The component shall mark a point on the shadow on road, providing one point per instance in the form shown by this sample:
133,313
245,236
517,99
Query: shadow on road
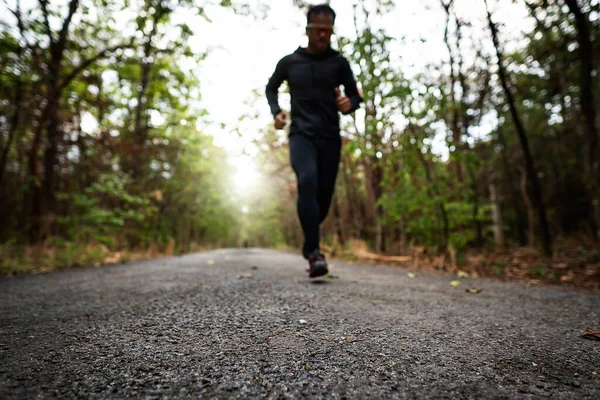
320,282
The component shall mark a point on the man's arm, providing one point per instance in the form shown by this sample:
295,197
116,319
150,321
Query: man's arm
350,88
275,81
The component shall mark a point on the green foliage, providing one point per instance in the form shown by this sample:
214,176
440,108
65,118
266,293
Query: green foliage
55,253
498,268
144,177
538,271
105,211
271,220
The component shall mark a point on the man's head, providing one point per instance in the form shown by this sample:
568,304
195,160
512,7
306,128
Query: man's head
319,27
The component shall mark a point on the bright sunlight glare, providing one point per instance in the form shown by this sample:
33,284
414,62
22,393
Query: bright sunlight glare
246,175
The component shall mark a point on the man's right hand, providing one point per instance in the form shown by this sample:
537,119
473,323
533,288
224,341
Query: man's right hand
280,120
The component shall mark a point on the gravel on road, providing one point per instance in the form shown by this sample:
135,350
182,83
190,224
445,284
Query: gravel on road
248,323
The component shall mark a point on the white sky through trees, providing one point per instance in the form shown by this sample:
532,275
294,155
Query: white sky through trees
245,49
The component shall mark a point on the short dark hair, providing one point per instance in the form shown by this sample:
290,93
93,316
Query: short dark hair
320,9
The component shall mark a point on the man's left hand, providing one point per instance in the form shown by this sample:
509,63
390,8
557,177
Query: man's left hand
343,102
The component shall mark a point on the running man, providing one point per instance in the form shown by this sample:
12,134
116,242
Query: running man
314,75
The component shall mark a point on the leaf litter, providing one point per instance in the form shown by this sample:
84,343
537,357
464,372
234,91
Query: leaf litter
591,334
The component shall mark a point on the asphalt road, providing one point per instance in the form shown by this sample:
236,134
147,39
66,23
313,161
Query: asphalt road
199,326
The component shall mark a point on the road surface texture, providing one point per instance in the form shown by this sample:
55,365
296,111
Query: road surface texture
250,324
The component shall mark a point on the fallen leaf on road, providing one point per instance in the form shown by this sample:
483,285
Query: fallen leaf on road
211,262
473,290
591,334
567,277
455,283
245,276
411,275
350,340
463,274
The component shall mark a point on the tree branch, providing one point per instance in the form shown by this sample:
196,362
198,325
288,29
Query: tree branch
62,38
86,63
44,5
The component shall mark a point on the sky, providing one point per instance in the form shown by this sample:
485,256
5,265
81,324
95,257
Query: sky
245,50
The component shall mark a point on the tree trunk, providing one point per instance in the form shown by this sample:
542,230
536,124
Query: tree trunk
373,186
402,234
339,222
140,131
586,85
531,170
51,153
139,134
352,212
14,120
434,194
460,120
455,163
379,240
514,193
496,213
43,189
529,208
35,177
464,127
34,226
371,213
379,211
477,226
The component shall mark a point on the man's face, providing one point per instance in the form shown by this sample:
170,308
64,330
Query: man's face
319,30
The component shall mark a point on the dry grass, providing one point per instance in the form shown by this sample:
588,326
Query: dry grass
571,265
48,257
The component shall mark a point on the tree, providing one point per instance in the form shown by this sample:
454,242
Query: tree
56,74
588,108
529,163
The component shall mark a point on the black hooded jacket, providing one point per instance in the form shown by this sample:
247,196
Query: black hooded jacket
312,80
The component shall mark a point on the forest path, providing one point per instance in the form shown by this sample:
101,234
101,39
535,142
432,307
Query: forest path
249,323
